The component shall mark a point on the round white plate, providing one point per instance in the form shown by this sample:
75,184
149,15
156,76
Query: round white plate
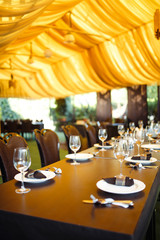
111,188
151,146
100,146
80,156
152,160
49,175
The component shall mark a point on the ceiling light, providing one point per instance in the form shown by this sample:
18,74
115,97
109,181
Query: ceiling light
30,59
157,23
48,53
12,82
69,37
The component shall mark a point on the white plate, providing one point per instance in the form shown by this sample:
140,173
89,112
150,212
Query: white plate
111,188
152,160
151,146
100,146
80,156
49,175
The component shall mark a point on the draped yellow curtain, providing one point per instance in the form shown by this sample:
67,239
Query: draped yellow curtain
115,46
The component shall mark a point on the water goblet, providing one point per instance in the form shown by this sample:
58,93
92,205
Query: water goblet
121,151
149,133
102,135
121,130
139,139
21,162
140,124
132,126
74,144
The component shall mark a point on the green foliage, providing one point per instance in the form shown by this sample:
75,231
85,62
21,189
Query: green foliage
6,111
152,100
85,112
66,112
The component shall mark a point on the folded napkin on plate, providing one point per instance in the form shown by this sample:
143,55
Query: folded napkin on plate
146,156
107,144
34,174
126,181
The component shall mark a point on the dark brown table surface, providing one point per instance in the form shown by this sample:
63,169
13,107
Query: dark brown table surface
54,209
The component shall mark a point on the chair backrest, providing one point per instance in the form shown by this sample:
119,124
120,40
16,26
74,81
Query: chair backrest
72,130
7,146
111,129
91,134
12,126
26,126
48,146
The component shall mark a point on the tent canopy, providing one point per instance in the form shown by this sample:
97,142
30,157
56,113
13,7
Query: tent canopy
115,46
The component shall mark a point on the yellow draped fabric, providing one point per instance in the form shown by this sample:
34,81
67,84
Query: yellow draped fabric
115,46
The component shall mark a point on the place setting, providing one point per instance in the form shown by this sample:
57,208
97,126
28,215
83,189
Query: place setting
144,159
75,144
102,135
22,162
119,184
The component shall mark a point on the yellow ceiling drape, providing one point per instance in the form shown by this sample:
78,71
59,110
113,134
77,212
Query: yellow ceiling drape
115,46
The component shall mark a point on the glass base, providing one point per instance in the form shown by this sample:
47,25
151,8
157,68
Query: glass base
22,190
102,149
75,163
120,176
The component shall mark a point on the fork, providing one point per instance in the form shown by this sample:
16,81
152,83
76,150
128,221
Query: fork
120,203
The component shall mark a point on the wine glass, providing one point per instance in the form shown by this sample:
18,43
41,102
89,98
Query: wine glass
21,162
121,151
149,133
132,126
139,139
102,135
140,124
121,130
74,144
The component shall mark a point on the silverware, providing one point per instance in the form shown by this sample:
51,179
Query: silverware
104,157
140,166
56,170
96,156
105,201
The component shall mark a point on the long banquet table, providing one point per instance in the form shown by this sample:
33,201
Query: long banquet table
54,209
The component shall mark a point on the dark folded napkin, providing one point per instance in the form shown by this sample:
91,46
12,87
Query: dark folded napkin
107,144
126,181
34,174
142,157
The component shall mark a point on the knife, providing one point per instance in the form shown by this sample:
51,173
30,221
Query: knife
104,157
115,201
150,166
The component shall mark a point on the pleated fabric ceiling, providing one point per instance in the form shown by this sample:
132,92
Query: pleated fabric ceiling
115,46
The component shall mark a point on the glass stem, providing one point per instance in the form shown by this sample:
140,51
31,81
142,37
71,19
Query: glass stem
121,168
74,156
138,150
22,186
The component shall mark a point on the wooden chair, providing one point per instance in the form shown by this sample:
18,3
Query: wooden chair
72,130
91,134
48,146
111,129
12,126
7,145
26,128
